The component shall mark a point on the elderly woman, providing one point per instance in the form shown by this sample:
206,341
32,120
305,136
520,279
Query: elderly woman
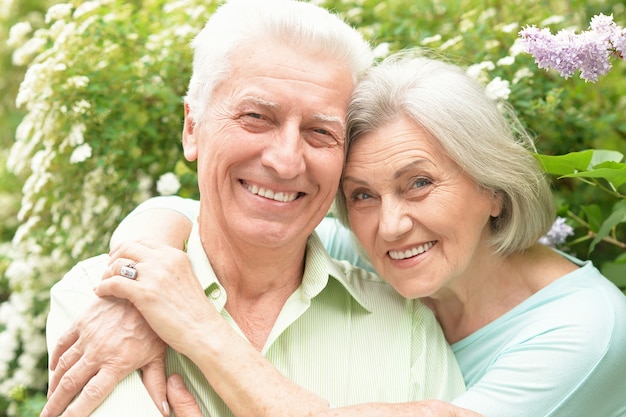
447,202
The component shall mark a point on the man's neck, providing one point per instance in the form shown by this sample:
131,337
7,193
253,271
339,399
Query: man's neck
258,281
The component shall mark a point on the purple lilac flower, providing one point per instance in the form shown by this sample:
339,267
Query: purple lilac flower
603,25
597,55
558,233
619,43
613,34
566,52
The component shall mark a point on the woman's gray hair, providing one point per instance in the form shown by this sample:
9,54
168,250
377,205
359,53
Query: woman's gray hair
299,24
483,137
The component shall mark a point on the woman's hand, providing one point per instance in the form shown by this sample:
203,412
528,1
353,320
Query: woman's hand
166,292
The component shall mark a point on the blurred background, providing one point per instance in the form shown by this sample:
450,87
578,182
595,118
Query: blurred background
91,114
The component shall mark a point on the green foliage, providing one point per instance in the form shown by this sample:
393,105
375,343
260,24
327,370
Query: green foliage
604,170
100,105
100,86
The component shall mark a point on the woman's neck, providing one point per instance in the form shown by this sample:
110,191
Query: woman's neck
486,293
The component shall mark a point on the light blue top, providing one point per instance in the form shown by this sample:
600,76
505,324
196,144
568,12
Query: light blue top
560,353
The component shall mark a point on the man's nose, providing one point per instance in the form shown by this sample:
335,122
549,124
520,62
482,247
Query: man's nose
285,153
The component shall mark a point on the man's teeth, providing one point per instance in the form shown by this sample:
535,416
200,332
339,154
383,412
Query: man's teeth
411,252
277,196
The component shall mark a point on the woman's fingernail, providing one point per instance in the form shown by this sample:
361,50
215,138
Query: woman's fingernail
166,408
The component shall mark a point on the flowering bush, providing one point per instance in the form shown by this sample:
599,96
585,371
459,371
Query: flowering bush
102,101
102,95
590,51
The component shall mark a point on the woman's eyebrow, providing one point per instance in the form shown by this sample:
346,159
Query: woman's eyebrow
409,167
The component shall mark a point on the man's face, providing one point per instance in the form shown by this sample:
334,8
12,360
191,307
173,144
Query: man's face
270,151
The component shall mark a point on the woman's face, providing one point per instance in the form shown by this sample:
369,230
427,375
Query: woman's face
422,221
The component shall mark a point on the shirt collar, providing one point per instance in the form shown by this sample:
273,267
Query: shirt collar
318,260
319,266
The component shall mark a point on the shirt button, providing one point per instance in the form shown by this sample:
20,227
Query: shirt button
215,294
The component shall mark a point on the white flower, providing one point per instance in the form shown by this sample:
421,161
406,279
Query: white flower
451,42
27,52
81,106
491,44
382,50
487,14
466,25
552,20
80,154
7,10
58,12
76,138
184,31
78,81
510,27
517,47
476,71
431,39
522,73
18,34
498,89
168,184
506,61
85,8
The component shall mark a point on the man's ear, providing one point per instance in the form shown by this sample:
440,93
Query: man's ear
190,145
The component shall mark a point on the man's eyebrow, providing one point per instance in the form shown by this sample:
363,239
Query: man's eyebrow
332,119
273,105
260,101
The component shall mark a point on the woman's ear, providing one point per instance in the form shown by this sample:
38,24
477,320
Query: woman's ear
496,203
190,145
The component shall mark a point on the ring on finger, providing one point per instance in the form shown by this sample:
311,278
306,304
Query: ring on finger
129,271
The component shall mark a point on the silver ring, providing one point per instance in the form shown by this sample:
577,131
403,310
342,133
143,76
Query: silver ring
129,271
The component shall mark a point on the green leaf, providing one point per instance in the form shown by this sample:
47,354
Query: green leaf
566,164
616,272
583,161
613,172
604,155
593,215
617,216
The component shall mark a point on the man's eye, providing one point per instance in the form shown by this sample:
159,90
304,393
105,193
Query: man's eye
254,115
322,131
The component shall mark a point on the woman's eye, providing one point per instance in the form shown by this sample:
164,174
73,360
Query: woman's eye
421,182
362,196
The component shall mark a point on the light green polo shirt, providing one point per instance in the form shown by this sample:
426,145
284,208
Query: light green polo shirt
344,334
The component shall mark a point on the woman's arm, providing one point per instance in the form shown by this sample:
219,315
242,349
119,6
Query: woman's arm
87,348
161,219
247,382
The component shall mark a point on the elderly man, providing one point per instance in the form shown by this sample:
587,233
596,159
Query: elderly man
264,118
